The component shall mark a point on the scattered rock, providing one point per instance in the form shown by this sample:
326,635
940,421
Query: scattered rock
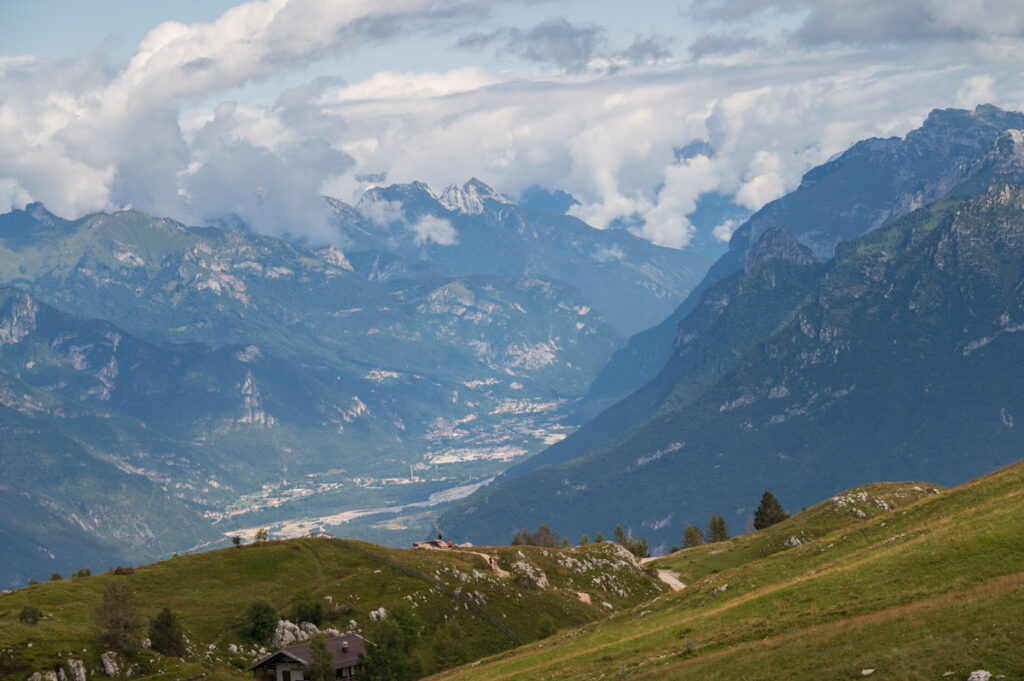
793,542
867,672
979,675
36,677
352,625
147,644
309,629
378,614
233,649
110,663
50,676
720,589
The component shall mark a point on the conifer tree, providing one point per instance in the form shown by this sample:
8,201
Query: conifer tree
692,536
717,531
165,635
768,512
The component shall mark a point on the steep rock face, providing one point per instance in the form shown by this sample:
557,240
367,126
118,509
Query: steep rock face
898,363
874,181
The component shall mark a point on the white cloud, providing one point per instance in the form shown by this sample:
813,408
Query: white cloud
81,139
613,253
438,230
380,212
723,231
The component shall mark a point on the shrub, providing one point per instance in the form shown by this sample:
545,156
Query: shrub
165,634
55,577
261,618
307,609
29,614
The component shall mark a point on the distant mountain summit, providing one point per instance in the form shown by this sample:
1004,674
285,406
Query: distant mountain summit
405,231
470,198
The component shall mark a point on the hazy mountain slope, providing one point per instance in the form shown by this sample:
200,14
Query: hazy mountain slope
404,231
924,590
873,181
733,314
224,362
900,364
66,507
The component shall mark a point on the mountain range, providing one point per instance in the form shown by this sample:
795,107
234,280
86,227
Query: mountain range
892,360
186,382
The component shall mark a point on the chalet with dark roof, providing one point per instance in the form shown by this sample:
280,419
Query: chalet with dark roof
289,663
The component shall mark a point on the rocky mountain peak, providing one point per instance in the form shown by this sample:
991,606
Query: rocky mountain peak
776,242
39,213
470,198
1003,163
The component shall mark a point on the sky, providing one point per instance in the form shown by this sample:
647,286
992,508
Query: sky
645,112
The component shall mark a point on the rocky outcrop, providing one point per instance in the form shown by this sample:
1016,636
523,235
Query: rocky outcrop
77,669
287,633
20,317
111,663
776,242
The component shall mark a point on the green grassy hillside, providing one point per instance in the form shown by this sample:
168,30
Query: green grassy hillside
450,590
914,592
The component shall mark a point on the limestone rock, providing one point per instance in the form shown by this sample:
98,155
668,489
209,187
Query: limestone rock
110,663
289,632
77,669
979,675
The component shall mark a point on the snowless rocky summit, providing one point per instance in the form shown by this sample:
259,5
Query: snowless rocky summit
470,197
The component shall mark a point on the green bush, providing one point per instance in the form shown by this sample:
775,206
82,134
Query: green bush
29,614
165,635
261,618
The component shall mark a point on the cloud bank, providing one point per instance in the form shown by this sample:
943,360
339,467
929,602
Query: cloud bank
635,132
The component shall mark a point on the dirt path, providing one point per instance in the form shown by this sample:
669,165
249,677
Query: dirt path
670,578
494,566
667,576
